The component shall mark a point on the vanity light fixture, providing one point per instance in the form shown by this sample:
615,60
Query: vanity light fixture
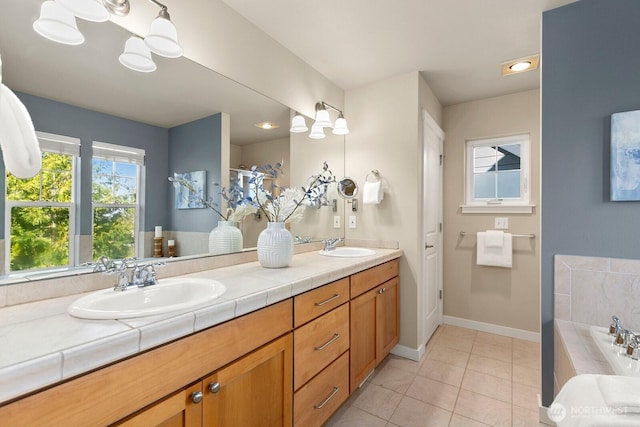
163,36
137,56
89,10
520,65
58,24
322,120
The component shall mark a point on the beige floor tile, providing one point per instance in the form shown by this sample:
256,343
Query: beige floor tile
500,351
524,345
433,392
487,365
526,358
458,331
460,421
393,378
414,413
443,372
487,385
447,355
525,396
401,363
487,338
525,417
377,401
526,376
484,409
354,417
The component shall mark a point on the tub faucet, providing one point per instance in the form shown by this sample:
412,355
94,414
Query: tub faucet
330,244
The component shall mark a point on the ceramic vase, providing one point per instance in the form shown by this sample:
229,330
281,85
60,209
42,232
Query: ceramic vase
275,246
225,238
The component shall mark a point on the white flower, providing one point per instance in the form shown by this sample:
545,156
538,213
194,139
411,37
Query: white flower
240,212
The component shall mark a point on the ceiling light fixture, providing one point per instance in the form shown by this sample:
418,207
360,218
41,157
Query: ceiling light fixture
57,22
520,65
322,120
267,125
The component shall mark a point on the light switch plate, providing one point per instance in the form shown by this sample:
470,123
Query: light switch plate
352,221
336,221
501,223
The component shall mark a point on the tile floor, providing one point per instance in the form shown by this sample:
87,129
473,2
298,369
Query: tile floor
465,378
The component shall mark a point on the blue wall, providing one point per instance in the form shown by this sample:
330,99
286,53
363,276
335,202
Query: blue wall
590,63
195,146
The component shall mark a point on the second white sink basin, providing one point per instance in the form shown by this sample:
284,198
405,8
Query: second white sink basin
168,295
348,252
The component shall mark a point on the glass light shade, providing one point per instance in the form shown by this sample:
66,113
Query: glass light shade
89,10
520,66
163,38
317,132
340,127
137,56
322,119
298,124
57,24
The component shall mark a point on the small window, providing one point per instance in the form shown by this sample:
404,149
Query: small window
497,172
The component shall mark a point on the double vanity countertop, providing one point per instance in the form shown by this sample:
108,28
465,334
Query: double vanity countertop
41,344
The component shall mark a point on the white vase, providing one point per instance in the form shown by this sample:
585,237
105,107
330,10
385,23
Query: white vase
275,246
225,238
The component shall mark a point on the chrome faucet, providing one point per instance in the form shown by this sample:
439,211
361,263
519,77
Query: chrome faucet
140,276
330,244
103,264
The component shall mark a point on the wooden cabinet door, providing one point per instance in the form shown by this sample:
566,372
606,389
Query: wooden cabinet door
388,319
178,410
255,390
363,337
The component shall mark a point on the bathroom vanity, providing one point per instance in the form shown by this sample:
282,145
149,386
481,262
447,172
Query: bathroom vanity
299,342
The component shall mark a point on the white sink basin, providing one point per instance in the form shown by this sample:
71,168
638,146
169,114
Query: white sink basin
167,296
348,252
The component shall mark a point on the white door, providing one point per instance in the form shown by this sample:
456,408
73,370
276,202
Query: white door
431,280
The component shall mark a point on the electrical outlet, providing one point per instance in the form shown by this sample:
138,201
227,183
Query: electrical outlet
501,223
336,221
352,221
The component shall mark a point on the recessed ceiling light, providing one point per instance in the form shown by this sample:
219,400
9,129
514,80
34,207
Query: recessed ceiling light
267,125
520,65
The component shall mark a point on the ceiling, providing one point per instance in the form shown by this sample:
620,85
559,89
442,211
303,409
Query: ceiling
90,76
457,45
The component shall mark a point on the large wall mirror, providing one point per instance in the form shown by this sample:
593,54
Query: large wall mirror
183,116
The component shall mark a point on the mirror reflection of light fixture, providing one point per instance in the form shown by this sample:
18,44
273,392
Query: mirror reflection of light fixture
89,10
58,24
267,125
322,120
137,56
163,36
520,65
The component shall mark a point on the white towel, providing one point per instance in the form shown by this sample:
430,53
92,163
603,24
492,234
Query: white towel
494,256
372,194
620,391
20,147
494,239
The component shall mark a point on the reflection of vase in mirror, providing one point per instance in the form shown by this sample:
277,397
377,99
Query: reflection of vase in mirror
226,238
275,246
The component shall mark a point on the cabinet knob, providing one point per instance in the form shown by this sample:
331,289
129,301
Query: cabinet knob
214,387
382,290
196,397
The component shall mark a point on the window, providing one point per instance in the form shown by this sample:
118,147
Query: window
115,189
497,172
40,211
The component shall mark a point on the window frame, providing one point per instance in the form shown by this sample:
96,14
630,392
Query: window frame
122,154
58,144
506,205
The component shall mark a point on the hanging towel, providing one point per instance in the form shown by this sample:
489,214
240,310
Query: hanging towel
494,239
494,256
372,193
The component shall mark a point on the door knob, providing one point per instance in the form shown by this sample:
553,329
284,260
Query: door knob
428,246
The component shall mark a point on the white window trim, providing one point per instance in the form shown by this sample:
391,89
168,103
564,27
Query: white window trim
521,205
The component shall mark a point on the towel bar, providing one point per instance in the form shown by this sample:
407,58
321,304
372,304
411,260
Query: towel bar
530,236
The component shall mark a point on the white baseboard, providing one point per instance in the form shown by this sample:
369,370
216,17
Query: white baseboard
408,352
494,329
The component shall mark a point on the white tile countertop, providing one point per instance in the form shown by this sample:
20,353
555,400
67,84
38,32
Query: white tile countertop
40,344
583,352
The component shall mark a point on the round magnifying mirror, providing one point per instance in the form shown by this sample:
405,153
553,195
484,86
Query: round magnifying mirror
347,188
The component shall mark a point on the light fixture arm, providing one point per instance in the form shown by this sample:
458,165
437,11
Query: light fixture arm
325,106
163,10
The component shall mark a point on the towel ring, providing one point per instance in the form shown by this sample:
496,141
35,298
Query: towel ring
375,172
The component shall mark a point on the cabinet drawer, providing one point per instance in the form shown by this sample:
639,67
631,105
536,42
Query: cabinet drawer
315,303
314,403
318,343
368,279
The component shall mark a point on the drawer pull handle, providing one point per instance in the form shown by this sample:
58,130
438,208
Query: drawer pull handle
333,393
334,297
325,345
